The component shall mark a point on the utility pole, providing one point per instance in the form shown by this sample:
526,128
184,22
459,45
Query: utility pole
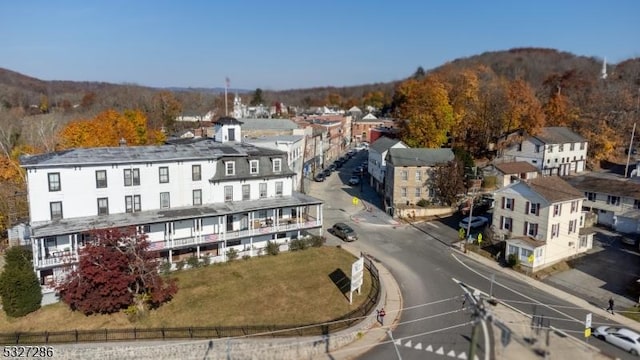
626,168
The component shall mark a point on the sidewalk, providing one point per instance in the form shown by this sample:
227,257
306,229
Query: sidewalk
390,300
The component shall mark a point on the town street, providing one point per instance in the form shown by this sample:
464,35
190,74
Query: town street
423,263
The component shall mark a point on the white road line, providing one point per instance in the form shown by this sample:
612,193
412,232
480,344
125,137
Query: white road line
516,292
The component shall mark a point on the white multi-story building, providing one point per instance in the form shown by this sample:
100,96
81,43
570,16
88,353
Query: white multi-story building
194,199
554,151
377,160
293,145
541,221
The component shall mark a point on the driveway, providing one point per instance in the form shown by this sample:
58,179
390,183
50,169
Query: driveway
607,270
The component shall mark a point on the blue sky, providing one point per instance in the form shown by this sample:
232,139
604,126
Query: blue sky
294,44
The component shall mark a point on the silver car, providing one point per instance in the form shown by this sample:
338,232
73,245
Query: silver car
623,338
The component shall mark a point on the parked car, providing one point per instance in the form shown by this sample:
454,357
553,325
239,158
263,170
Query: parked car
326,172
476,222
359,170
344,232
332,167
319,177
354,180
626,339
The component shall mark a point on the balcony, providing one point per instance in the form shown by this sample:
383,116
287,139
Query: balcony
57,259
203,239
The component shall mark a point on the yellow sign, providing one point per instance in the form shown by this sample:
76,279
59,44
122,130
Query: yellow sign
355,200
479,238
530,259
587,332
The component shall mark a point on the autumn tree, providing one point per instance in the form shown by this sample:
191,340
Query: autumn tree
115,271
524,109
426,112
447,180
19,285
111,126
376,99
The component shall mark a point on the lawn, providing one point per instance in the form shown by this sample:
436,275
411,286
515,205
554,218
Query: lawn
290,288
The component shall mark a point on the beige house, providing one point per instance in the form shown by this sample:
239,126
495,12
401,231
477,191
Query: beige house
541,221
510,172
407,172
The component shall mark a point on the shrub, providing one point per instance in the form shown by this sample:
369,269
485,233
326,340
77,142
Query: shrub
232,254
180,265
246,257
206,260
512,260
317,241
423,203
165,268
19,285
273,248
298,244
193,262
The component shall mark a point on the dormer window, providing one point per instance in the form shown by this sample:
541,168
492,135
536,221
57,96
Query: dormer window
230,168
277,165
253,166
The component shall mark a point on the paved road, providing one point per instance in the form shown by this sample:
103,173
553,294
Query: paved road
424,265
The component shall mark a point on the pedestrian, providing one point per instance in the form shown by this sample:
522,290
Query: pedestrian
381,314
610,308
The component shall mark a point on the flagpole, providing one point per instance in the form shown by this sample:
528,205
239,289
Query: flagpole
226,85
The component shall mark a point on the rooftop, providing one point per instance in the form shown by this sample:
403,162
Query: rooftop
554,189
190,149
383,143
558,135
72,225
606,185
516,167
419,156
268,124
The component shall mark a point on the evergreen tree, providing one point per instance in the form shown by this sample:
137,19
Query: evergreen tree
19,285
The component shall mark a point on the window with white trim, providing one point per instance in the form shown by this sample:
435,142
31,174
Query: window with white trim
277,165
512,250
228,193
507,223
418,192
574,206
591,196
197,197
539,252
525,253
246,192
509,203
583,241
557,210
555,230
404,175
418,175
230,168
132,203
403,192
253,166
262,187
279,186
532,229
165,200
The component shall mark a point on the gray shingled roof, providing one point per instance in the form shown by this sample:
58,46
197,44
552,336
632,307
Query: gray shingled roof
72,225
419,156
268,124
616,187
193,150
383,144
554,189
515,167
274,138
558,135
228,121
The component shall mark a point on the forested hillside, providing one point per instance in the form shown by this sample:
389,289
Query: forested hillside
467,103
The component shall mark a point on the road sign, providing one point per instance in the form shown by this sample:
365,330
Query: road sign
355,201
587,321
357,269
480,239
587,332
530,259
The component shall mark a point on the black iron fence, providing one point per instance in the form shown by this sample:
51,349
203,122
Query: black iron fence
107,335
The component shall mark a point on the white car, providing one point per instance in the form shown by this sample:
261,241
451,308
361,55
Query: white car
354,180
476,222
623,338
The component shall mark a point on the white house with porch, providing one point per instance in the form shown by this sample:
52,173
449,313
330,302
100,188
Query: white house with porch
541,221
199,198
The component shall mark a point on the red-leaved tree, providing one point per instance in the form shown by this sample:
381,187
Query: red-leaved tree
115,271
